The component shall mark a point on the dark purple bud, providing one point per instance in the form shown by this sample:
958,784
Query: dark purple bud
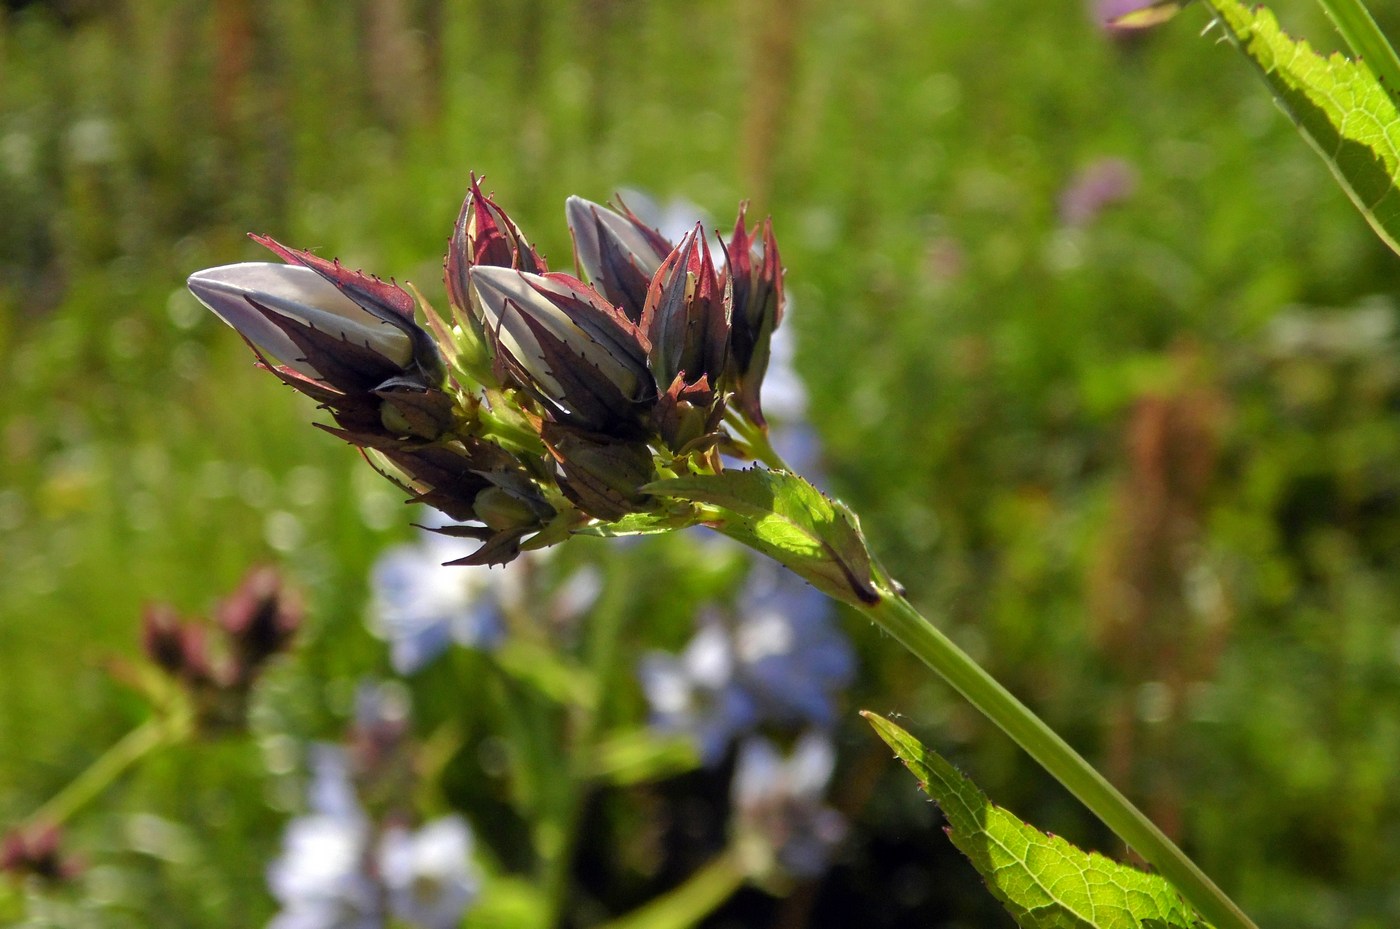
756,274
162,639
560,340
687,315
258,620
36,851
485,236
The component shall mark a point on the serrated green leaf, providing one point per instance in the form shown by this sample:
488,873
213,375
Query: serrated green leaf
1043,881
1338,106
783,516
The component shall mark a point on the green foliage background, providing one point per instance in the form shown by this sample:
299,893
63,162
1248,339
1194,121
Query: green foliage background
1145,468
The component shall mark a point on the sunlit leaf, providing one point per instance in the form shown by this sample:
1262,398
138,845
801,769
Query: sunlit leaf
788,519
1043,881
637,524
1338,105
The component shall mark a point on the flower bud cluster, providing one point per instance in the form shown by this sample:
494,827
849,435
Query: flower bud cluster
218,662
544,400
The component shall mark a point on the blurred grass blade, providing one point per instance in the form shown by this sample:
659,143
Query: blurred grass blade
640,756
1338,105
1043,881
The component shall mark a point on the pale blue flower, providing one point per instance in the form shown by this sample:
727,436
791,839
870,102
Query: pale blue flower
428,873
421,606
780,819
697,693
778,659
339,870
321,879
791,654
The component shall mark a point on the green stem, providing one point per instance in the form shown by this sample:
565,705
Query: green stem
896,616
701,894
109,766
1354,22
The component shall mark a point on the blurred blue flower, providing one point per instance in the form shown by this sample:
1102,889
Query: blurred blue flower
780,821
793,656
338,870
697,693
780,659
421,606
427,873
321,879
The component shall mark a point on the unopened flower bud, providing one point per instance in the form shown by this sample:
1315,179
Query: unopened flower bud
485,236
687,314
559,339
162,639
602,476
322,321
617,251
260,298
37,851
502,510
757,280
686,413
258,619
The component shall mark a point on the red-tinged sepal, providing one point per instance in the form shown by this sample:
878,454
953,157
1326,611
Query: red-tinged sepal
688,416
338,360
602,475
383,299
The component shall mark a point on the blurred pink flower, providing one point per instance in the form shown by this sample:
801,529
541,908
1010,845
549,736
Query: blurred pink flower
1114,15
1099,184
